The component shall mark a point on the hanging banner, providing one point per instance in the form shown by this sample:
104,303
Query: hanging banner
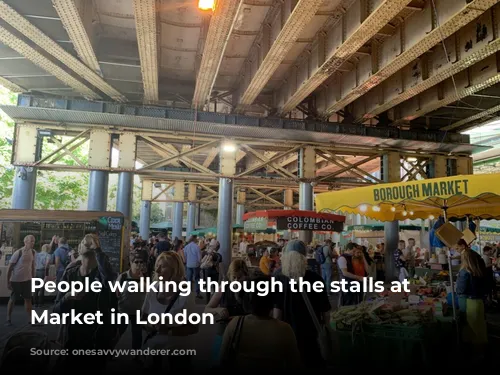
308,224
255,224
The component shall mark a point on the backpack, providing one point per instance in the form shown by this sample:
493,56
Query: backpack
320,255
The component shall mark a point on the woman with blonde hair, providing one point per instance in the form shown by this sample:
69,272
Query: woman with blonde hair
292,307
471,289
169,267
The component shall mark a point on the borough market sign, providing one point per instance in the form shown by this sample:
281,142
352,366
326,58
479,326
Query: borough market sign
422,190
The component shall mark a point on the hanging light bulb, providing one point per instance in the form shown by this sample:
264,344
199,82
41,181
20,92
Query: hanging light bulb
393,209
411,213
363,208
431,217
376,208
405,213
206,4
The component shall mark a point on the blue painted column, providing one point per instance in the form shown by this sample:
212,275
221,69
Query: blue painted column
98,191
124,194
145,219
23,193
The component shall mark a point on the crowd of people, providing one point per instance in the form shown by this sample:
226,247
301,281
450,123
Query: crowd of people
272,332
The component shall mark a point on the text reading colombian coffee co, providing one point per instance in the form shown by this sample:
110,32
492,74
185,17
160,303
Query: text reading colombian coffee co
76,290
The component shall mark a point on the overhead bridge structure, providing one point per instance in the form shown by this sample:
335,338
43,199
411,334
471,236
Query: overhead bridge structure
252,103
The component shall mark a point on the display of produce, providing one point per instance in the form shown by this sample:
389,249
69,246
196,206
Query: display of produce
380,312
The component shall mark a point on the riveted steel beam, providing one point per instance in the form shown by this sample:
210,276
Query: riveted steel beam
40,60
413,38
480,76
295,17
73,23
146,29
11,86
478,116
338,45
181,155
221,25
30,31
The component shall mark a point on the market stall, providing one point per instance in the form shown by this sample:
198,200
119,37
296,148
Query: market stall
293,221
472,197
111,227
374,234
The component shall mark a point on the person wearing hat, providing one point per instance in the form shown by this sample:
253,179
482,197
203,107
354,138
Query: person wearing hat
293,309
130,303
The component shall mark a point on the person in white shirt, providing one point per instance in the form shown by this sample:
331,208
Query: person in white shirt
243,246
19,274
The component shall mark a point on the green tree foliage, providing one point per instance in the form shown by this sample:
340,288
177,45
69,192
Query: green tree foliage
157,214
54,190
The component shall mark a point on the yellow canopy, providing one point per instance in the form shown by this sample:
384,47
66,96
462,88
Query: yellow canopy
474,195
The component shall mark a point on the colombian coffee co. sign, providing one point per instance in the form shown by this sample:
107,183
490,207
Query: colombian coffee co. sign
308,224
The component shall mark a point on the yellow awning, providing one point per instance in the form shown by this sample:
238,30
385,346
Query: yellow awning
475,195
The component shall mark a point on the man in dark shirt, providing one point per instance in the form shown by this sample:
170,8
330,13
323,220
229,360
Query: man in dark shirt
163,244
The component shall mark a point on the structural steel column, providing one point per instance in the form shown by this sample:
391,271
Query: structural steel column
26,150
391,172
99,157
98,191
438,167
225,213
307,172
145,215
464,165
23,193
177,225
191,211
288,199
240,206
145,219
124,194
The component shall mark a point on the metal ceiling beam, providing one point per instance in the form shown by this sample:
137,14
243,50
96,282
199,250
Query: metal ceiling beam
333,48
74,25
211,157
413,38
295,17
480,76
147,30
221,26
478,116
26,28
11,86
179,156
175,124
21,47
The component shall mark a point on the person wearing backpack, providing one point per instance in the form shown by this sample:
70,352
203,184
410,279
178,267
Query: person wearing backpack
19,274
324,257
61,258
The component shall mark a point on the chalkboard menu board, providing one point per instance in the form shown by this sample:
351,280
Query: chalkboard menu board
109,230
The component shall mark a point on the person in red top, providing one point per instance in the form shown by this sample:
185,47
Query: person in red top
358,262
